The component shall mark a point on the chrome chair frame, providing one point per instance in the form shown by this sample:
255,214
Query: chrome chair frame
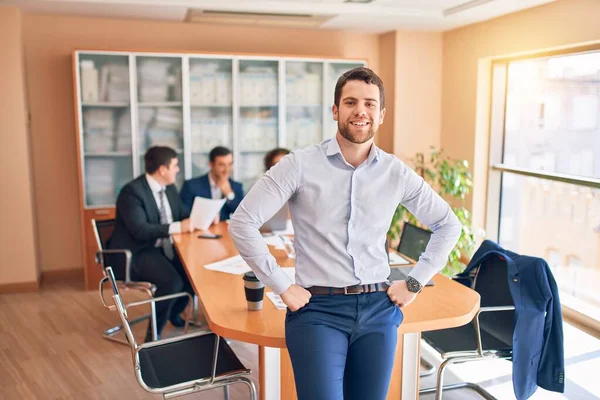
458,357
146,287
183,388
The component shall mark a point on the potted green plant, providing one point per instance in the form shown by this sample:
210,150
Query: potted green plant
452,180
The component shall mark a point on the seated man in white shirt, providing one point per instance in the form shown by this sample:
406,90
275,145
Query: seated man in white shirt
149,210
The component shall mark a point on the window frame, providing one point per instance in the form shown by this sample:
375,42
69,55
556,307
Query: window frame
496,167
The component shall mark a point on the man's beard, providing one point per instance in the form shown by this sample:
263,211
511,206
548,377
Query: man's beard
355,138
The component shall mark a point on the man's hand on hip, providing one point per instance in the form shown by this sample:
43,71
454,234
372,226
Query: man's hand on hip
400,294
295,297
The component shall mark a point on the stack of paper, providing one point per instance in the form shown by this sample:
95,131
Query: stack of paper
273,240
397,259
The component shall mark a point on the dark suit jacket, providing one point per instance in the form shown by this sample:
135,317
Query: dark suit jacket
137,224
201,187
538,349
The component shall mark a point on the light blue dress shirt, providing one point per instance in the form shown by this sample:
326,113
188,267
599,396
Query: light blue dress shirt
341,216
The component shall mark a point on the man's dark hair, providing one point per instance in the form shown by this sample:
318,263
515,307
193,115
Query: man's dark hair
359,74
270,156
218,151
157,156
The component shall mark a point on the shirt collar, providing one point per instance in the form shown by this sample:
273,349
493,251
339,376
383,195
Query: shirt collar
155,187
333,148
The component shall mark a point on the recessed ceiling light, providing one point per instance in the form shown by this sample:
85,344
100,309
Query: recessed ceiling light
358,1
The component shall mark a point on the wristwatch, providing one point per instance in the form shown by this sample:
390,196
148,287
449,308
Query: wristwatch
413,285
230,196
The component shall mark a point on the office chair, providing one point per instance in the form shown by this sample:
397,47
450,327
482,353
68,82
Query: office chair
488,336
120,259
413,242
182,365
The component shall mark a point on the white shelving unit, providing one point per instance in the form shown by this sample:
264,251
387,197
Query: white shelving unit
129,101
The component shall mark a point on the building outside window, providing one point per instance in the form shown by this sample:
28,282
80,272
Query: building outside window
544,192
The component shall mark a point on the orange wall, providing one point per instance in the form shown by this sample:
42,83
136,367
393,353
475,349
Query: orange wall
387,72
49,42
411,69
18,262
418,88
466,62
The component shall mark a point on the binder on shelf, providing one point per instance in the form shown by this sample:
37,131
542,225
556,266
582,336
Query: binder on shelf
89,82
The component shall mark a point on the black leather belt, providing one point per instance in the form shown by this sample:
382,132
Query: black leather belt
355,289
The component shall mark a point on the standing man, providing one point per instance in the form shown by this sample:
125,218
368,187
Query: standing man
216,184
342,318
149,210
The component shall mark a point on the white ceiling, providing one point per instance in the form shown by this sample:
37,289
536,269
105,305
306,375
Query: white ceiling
376,17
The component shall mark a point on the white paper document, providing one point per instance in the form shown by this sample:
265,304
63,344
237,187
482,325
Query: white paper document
204,212
397,259
273,240
276,299
233,265
279,304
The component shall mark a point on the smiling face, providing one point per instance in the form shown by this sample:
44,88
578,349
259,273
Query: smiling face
168,174
359,113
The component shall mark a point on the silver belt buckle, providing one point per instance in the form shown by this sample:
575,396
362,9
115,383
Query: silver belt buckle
346,292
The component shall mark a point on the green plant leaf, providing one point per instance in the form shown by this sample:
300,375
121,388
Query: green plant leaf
452,179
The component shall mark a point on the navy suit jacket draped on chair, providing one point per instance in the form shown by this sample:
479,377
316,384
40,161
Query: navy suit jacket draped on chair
538,349
201,187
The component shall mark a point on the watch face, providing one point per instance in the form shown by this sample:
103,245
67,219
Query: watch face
413,285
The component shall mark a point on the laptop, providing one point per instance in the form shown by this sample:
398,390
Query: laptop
413,241
278,222
412,244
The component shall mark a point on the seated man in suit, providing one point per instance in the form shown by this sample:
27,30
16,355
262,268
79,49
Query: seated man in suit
149,210
217,184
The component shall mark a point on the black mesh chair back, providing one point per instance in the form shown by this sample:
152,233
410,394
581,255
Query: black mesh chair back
491,282
104,231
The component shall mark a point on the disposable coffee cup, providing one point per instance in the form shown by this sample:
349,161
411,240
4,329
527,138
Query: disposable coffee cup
255,291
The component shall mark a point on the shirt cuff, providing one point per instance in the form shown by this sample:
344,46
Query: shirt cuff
423,273
174,227
278,281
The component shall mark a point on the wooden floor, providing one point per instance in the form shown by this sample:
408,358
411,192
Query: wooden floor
51,347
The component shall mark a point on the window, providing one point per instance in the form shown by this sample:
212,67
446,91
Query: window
545,175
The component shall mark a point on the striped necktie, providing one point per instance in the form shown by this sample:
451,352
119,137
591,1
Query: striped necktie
165,242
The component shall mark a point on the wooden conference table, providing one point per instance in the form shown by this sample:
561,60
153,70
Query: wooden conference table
445,305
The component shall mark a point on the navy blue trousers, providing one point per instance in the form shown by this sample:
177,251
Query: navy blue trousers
342,347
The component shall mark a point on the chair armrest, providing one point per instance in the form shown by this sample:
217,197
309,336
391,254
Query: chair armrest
100,260
478,328
496,308
161,298
122,307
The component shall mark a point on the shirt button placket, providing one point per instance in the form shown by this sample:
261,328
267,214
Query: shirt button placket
352,226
